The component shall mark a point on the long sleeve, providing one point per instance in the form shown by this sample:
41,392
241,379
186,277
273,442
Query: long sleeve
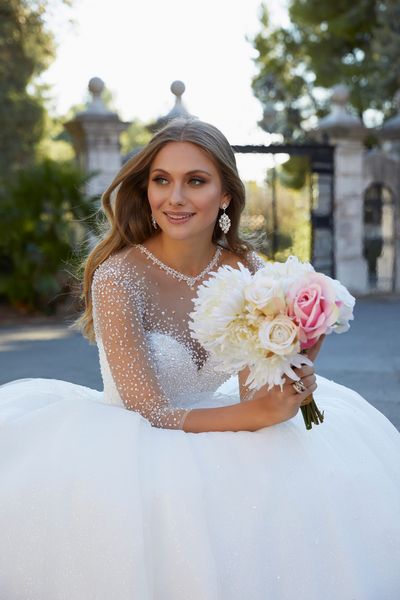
254,261
117,302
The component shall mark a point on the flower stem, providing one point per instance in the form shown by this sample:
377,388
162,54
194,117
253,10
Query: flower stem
311,413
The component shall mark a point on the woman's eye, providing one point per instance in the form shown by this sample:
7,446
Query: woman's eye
161,180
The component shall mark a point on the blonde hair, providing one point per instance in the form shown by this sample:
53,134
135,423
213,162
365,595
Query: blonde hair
126,205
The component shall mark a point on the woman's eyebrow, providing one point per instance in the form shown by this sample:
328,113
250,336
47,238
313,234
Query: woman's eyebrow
188,173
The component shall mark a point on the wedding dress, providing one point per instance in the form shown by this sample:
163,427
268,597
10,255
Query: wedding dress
100,502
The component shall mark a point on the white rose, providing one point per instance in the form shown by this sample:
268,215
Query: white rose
265,294
279,335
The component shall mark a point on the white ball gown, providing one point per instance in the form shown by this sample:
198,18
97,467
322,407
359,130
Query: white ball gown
100,502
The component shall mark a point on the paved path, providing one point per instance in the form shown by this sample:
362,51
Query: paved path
367,358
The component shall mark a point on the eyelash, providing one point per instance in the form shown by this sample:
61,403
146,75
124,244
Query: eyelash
191,179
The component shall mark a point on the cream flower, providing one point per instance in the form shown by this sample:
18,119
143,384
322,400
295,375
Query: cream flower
279,335
345,302
294,267
285,273
238,347
271,371
265,294
220,299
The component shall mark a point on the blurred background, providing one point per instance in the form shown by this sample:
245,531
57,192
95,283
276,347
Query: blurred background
306,91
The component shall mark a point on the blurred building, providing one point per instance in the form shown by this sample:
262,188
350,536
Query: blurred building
366,199
366,206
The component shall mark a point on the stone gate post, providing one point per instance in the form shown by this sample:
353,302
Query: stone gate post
96,133
390,135
346,132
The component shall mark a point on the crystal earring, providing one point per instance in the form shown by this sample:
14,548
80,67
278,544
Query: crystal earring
224,220
153,220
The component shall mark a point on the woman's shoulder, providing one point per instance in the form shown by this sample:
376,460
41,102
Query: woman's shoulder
255,261
117,268
250,259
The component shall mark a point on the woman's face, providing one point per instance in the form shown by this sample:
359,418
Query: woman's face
185,191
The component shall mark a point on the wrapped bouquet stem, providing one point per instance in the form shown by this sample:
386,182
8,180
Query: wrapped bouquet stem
309,409
311,413
268,321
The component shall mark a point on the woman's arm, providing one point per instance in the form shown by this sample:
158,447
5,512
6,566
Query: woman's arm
117,313
262,410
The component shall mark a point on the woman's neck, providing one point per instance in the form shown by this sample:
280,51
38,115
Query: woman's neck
186,256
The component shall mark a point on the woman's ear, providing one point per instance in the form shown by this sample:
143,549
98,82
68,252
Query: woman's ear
226,200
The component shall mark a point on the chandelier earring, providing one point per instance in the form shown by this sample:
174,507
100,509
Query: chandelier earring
224,220
154,222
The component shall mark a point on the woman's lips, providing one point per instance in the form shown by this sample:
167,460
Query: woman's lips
178,218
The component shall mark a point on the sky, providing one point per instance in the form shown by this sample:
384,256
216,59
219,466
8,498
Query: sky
139,48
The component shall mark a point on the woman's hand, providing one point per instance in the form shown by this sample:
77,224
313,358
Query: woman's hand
276,405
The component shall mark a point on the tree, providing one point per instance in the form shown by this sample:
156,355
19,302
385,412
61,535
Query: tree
327,43
386,48
45,219
26,50
136,136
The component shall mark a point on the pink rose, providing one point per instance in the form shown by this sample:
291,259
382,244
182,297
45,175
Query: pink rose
312,306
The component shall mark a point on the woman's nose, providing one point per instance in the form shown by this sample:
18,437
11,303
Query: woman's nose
176,196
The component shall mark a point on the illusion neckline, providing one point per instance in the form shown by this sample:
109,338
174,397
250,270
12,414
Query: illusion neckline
190,281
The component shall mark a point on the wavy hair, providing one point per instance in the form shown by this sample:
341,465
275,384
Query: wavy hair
127,208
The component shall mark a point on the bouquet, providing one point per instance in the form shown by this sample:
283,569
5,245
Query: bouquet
268,320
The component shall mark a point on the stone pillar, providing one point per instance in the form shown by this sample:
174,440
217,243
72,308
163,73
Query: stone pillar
346,132
95,133
390,136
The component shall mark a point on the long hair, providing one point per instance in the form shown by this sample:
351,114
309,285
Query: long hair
127,208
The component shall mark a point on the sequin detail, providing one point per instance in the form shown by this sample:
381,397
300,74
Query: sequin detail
149,361
191,281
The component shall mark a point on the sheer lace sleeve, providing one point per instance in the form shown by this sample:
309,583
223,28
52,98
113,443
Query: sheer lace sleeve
254,261
117,306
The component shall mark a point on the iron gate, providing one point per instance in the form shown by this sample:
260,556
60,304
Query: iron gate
321,197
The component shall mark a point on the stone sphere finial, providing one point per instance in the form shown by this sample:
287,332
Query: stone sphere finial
340,123
340,94
177,88
96,86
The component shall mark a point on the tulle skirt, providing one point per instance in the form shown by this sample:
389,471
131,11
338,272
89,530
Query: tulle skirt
97,504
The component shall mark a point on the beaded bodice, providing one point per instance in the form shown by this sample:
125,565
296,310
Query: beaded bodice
149,361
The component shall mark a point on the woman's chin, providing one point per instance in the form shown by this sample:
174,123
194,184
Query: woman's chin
186,232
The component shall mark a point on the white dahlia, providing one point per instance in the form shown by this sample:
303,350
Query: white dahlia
220,300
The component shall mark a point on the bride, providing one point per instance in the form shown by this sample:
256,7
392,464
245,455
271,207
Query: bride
176,483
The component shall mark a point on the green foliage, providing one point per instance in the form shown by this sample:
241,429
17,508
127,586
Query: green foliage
327,43
45,218
293,173
386,50
280,85
135,136
26,50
